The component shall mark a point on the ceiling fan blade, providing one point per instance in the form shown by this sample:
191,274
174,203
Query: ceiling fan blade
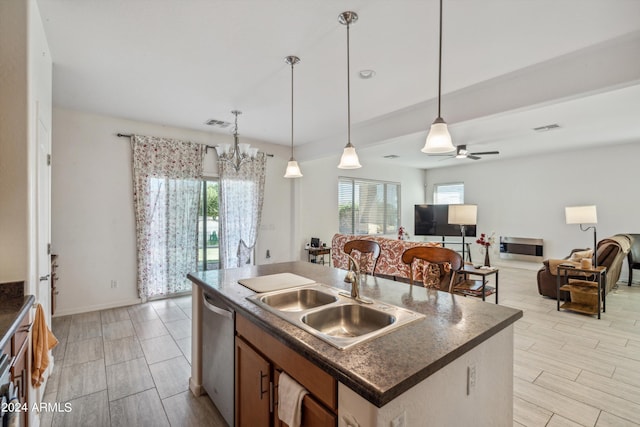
471,156
485,153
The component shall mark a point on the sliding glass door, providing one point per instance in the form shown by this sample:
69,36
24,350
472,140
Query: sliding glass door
208,227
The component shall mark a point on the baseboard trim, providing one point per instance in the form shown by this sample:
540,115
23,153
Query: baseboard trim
96,307
196,389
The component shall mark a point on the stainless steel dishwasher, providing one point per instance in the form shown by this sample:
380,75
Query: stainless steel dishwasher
218,361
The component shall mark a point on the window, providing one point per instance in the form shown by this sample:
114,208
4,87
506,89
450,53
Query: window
208,229
448,194
367,206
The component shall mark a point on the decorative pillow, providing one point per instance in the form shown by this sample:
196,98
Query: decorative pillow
432,274
577,256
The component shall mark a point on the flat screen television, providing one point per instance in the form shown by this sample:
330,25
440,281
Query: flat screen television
433,220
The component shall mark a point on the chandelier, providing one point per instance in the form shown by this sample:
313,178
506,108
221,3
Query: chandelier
237,154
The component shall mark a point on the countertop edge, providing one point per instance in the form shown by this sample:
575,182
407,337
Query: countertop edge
376,397
21,313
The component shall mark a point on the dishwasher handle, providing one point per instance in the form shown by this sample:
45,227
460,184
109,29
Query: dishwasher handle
217,310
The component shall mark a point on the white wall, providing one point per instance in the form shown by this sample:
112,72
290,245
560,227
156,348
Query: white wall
25,88
319,196
13,141
93,227
526,197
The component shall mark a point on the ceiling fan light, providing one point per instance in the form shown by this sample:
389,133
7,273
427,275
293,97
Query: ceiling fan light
438,140
349,159
293,170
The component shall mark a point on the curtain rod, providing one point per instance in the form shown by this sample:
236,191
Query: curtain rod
128,135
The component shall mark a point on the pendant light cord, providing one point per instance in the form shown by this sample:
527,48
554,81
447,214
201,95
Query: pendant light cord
348,92
291,110
440,62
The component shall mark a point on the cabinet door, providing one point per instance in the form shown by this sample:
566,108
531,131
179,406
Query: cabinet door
253,382
20,379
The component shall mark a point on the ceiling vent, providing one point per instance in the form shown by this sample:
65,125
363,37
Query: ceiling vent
547,127
391,156
217,123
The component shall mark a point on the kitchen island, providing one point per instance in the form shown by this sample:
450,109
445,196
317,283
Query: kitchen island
452,367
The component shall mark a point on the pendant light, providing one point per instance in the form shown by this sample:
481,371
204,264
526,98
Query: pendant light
293,170
439,139
349,159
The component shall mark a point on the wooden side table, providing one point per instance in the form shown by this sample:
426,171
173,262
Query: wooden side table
316,255
481,291
586,286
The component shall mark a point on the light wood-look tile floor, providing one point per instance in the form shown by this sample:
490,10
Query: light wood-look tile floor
127,366
572,369
130,366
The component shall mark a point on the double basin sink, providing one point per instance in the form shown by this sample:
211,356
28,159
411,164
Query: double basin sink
339,320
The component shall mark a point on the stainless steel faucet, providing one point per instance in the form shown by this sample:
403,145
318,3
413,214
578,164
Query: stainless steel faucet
353,277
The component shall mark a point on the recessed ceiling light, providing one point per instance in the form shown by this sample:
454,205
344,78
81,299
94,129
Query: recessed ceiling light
367,74
391,156
547,128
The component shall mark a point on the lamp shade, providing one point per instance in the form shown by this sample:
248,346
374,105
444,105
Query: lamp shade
581,214
463,214
293,170
438,140
349,159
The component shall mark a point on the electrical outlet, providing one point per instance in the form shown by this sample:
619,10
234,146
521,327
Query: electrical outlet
268,253
399,421
471,378
114,284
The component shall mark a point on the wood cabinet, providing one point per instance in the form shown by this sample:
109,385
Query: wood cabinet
253,387
20,365
260,359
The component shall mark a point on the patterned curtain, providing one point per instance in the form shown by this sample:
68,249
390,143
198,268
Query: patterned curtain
241,196
167,176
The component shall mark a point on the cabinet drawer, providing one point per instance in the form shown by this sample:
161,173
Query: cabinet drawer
313,413
20,337
320,384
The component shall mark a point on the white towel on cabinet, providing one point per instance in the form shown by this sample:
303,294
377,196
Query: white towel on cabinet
290,395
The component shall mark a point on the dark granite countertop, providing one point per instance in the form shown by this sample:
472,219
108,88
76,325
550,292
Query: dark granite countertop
383,368
14,305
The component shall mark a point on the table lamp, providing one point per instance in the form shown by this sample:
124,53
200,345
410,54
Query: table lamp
584,215
463,215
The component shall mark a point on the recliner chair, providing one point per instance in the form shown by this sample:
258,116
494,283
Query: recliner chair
611,253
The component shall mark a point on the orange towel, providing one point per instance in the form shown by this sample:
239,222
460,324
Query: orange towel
42,340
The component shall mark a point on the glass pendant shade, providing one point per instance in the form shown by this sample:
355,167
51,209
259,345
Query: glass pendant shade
438,139
293,170
349,159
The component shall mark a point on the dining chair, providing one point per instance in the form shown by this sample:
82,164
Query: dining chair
365,247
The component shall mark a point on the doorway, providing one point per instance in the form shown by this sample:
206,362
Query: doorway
209,226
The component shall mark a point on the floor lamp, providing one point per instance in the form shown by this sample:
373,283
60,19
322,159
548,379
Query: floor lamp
584,215
463,215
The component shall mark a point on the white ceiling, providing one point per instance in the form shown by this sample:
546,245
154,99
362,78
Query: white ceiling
508,66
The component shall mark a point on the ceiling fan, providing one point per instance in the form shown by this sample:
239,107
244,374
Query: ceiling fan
462,153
